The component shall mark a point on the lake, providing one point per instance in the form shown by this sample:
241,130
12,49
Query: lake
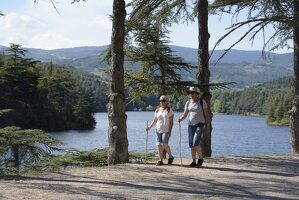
232,135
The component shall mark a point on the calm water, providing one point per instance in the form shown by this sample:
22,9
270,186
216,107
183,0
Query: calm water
232,135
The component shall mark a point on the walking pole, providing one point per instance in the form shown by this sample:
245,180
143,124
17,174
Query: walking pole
180,143
146,141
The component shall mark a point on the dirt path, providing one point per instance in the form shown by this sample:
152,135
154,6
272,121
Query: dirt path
261,177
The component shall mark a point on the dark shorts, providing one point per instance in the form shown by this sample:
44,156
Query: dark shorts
195,134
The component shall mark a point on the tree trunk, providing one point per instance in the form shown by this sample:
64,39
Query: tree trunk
118,142
203,64
16,156
294,117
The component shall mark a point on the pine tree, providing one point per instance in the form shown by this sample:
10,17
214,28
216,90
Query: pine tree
283,15
160,68
22,148
18,80
168,12
118,140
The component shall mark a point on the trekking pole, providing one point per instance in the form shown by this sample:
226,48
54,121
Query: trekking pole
180,143
146,141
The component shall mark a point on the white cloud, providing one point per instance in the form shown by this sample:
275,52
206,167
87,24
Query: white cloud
17,28
40,26
88,24
54,41
102,22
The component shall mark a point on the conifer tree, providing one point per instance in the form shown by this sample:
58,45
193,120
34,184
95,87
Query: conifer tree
18,80
168,12
160,68
118,141
22,148
283,15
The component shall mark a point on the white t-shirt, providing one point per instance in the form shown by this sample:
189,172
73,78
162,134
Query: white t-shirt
162,125
195,111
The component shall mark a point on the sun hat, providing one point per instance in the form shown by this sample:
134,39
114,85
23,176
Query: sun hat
163,97
193,89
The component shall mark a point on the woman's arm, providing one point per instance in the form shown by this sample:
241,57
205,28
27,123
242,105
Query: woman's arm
154,121
170,125
185,113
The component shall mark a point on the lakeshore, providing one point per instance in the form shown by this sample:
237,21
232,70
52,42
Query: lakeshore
254,177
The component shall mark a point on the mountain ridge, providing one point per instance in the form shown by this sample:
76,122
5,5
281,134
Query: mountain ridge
233,56
246,68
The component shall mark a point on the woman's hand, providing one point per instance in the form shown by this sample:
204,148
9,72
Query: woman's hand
180,120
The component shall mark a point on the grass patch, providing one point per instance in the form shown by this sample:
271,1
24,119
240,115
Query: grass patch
75,158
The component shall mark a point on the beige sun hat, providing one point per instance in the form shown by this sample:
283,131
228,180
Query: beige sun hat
193,89
163,97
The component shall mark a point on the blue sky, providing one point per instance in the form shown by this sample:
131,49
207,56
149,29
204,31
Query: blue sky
88,24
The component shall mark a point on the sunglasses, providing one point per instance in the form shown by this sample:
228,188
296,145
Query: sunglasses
162,100
192,92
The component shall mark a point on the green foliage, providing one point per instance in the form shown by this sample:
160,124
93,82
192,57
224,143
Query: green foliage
159,72
140,157
18,79
272,99
93,158
20,148
76,158
46,96
164,12
260,14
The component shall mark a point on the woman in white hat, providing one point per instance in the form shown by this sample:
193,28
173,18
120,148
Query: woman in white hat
199,116
164,122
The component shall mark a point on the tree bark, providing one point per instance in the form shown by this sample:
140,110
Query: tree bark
203,64
118,142
294,113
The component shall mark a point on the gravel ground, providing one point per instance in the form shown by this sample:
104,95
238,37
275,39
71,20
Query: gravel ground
258,177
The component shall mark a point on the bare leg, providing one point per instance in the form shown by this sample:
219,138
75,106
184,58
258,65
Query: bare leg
168,150
193,153
198,151
160,149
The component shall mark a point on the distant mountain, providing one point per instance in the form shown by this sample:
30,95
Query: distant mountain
64,53
189,54
246,68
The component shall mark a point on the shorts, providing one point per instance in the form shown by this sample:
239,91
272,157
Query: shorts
162,138
195,134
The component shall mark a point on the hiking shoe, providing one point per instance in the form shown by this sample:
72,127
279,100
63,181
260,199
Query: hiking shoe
193,164
199,162
170,160
159,163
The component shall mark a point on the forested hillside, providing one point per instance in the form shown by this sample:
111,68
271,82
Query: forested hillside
245,68
272,99
47,96
60,97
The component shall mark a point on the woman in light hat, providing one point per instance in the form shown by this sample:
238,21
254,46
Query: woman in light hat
198,118
164,122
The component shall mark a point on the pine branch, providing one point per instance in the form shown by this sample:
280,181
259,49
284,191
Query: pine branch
260,22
